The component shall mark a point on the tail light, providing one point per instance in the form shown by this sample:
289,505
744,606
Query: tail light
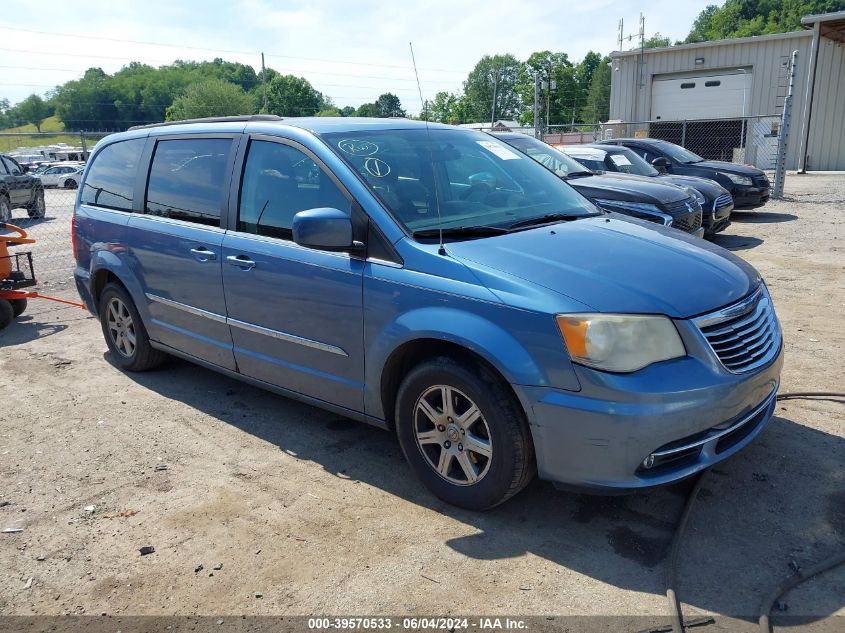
73,235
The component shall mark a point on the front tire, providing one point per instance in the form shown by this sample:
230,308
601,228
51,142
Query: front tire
70,184
464,434
125,333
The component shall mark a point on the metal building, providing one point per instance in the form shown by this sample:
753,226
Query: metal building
745,77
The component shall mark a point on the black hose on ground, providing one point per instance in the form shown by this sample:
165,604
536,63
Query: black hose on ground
791,395
671,593
678,625
791,582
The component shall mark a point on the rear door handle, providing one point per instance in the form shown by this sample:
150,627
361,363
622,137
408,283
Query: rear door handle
241,261
202,254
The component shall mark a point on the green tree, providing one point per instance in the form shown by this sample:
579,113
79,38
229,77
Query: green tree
550,68
597,106
329,111
744,18
444,108
367,109
212,97
347,111
493,76
657,41
389,105
33,110
288,95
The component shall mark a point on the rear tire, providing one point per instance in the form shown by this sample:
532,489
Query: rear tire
7,313
5,209
18,306
474,452
125,333
38,208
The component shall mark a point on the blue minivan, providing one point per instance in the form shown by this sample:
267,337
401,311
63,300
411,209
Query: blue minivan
432,281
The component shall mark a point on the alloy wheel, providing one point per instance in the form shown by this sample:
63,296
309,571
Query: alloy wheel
121,328
452,435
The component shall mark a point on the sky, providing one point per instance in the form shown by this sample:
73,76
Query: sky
351,51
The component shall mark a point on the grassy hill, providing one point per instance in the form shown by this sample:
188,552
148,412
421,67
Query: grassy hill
50,124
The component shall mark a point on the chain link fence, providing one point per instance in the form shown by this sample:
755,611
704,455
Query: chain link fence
53,162
749,140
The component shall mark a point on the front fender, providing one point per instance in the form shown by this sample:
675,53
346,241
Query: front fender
469,330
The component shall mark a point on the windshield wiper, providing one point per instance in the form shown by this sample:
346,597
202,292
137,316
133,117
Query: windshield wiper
544,219
461,231
579,174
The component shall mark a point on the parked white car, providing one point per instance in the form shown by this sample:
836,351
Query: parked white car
65,176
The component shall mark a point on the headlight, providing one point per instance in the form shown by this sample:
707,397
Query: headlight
737,179
619,342
695,193
642,210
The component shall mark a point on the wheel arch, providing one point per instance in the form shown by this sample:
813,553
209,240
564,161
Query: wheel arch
415,337
414,352
108,267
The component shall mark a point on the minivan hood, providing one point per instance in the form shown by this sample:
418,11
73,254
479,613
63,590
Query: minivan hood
613,263
630,189
731,168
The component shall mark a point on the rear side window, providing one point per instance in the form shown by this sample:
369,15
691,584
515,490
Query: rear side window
12,166
187,180
111,177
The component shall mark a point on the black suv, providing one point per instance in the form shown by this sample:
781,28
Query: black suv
644,198
749,186
19,190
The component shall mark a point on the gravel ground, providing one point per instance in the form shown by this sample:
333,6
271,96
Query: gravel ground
320,515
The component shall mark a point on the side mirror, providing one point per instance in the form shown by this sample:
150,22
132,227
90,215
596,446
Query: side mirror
324,229
661,163
24,169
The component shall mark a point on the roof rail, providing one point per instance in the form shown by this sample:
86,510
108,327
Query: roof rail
213,119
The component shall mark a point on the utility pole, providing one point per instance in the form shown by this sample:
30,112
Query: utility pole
621,31
264,82
493,109
548,95
536,105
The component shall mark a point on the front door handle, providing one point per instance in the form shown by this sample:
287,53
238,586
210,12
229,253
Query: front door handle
202,254
241,261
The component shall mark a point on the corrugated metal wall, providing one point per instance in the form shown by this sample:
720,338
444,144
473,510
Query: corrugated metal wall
767,57
826,143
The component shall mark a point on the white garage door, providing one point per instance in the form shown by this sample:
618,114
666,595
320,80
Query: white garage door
701,97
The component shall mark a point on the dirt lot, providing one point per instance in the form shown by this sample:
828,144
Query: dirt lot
320,515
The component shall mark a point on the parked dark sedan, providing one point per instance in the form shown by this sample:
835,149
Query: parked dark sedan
18,189
749,186
645,199
716,201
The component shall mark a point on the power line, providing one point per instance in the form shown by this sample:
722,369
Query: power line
230,51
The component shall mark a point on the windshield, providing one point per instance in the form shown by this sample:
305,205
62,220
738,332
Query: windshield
628,162
548,156
679,154
480,181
